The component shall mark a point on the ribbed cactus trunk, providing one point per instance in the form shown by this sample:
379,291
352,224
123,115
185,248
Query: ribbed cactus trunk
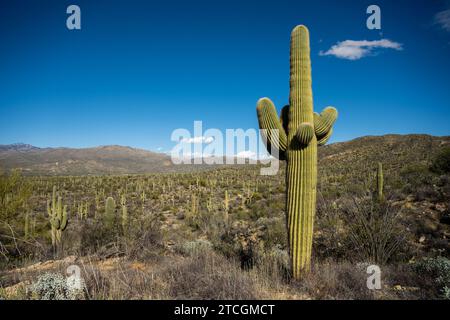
301,175
297,143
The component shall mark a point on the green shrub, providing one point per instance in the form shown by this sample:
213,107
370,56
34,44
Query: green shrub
192,248
441,163
439,270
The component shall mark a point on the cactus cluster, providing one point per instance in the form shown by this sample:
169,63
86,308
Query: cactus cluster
58,217
296,135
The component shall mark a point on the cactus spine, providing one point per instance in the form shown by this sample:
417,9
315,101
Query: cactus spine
58,217
380,182
296,136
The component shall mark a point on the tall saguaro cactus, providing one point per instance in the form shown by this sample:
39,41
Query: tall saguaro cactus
296,136
58,217
380,182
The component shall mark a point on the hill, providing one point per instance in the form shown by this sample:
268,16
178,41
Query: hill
355,154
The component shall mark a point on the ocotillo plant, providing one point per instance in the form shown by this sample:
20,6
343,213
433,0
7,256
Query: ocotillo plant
296,136
58,218
380,182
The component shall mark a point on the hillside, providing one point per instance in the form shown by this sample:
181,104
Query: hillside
223,230
357,154
86,161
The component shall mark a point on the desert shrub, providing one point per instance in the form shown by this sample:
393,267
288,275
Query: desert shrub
375,233
53,286
208,276
426,192
14,194
275,233
441,162
329,238
192,248
333,280
274,265
438,269
144,241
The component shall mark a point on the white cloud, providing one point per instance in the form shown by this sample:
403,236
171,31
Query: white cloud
198,140
246,154
357,49
443,19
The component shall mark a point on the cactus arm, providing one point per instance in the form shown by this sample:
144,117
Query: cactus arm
284,118
55,223
324,121
64,219
380,182
322,141
49,210
305,133
268,120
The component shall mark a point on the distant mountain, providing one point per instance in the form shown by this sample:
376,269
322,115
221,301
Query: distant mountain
395,151
17,147
69,161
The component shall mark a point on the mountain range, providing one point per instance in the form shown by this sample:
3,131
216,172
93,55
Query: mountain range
114,159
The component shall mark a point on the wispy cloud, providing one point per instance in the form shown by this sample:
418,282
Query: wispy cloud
198,140
443,19
357,49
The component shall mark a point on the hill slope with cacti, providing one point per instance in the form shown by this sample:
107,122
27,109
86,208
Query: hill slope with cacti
221,233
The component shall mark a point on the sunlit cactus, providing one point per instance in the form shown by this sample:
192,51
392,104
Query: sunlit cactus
123,203
296,135
110,212
380,182
58,217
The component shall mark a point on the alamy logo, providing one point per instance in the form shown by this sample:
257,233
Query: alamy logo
374,20
73,21
236,146
74,280
374,280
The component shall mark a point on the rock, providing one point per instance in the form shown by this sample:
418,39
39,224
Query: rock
422,239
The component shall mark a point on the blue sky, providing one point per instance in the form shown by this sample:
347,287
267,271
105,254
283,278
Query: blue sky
137,70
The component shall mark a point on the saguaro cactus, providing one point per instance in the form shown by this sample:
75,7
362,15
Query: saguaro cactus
380,182
123,203
296,136
58,217
110,212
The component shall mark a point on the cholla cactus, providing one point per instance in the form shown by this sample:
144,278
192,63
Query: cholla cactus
296,136
58,217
